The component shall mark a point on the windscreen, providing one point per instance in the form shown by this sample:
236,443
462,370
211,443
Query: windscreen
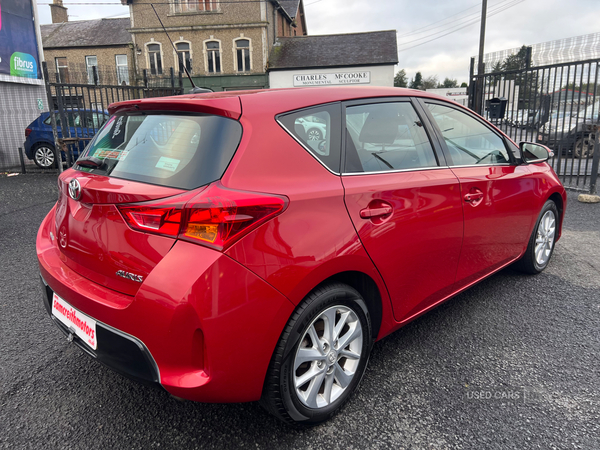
179,151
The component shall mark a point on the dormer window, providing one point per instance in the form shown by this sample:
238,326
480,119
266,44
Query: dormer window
192,6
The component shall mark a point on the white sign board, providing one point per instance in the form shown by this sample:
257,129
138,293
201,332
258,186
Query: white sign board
332,79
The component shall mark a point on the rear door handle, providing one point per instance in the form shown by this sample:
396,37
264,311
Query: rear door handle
382,210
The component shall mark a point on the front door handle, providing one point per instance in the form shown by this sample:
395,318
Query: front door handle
376,208
474,196
367,213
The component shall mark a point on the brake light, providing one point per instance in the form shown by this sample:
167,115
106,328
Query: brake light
28,131
216,217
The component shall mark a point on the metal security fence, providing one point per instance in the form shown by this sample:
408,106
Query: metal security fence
78,110
556,105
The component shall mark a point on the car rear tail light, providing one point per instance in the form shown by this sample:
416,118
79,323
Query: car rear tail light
216,217
28,131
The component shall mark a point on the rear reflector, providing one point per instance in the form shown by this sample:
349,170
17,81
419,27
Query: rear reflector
28,131
216,217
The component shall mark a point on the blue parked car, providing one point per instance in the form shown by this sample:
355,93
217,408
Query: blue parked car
39,142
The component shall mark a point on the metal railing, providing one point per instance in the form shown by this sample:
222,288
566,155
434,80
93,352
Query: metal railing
556,105
83,107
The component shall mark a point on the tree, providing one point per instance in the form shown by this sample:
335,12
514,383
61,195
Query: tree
400,79
449,83
463,84
585,87
430,82
417,81
515,61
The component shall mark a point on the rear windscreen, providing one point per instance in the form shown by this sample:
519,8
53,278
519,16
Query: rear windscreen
180,151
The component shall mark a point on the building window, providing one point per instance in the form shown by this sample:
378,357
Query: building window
90,63
185,6
62,69
242,55
213,53
154,59
122,69
184,56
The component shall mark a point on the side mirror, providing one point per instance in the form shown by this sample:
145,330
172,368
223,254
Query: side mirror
534,153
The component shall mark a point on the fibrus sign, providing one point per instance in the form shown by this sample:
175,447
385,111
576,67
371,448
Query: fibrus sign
18,42
332,79
23,65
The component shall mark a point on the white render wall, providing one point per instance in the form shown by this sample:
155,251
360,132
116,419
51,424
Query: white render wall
379,75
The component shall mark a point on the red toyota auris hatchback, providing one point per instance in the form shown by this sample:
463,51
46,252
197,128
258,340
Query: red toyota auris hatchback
212,244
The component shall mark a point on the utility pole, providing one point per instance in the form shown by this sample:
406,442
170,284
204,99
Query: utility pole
481,66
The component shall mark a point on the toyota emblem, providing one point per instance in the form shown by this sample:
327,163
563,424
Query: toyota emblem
74,189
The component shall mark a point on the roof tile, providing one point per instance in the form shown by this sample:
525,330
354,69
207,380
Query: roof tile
335,50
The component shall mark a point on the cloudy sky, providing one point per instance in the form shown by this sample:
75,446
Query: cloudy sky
436,37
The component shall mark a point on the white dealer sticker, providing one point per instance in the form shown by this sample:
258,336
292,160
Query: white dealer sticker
80,324
167,163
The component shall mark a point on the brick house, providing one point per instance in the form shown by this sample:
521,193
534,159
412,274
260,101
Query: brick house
72,49
223,45
366,58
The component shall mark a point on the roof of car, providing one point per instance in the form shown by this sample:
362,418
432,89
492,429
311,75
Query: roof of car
281,99
335,50
86,33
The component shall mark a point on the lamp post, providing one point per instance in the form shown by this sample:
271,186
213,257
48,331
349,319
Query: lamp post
481,65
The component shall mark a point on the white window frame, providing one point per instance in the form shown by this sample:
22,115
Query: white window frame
120,77
235,57
58,67
176,54
162,57
205,51
88,66
194,6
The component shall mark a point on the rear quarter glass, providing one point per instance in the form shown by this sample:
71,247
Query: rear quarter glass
172,150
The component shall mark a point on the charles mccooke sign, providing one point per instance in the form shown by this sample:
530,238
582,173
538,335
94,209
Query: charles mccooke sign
332,79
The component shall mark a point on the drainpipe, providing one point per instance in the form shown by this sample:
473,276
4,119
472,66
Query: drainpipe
275,22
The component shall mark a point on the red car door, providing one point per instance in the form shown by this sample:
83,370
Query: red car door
404,204
496,192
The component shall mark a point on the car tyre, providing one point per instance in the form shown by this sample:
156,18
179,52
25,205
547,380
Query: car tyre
542,240
584,147
321,356
43,156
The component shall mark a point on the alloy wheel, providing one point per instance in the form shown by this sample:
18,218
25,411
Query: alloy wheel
544,240
328,357
44,156
584,147
314,135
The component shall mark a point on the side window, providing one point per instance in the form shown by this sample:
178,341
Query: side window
317,129
468,140
382,137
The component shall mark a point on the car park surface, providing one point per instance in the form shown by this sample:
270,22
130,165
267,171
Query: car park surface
169,251
510,333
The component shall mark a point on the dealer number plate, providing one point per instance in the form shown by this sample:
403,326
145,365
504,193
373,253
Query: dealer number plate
78,323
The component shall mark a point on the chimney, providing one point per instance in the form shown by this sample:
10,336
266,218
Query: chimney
59,12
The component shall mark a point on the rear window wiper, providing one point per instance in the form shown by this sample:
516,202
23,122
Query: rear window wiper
92,162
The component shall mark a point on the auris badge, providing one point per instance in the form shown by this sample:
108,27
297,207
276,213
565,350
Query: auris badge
130,276
74,189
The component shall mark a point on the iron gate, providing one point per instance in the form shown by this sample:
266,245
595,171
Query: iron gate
83,108
555,105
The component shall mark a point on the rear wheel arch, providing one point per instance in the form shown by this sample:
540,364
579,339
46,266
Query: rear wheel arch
369,291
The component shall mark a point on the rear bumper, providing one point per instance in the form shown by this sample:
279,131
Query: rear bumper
119,351
202,325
